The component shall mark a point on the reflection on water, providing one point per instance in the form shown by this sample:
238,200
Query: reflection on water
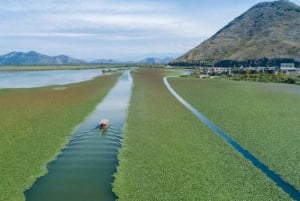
84,169
28,79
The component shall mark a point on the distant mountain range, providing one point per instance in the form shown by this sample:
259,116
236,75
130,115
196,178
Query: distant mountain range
266,35
35,58
154,60
150,60
105,61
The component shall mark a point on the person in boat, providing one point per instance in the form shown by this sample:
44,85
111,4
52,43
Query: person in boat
104,124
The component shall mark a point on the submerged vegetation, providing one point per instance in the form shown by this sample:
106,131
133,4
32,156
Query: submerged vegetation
262,117
35,124
168,154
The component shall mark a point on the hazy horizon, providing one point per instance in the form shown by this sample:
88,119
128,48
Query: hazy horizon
114,29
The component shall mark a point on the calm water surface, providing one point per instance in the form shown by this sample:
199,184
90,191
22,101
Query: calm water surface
84,169
28,79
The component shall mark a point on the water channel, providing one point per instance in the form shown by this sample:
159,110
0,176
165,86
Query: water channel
276,178
84,169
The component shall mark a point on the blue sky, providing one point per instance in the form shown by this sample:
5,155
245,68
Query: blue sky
118,29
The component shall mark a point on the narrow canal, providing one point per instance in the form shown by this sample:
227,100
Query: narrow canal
84,169
275,177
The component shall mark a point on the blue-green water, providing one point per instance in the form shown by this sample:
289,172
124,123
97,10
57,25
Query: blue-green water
84,169
28,79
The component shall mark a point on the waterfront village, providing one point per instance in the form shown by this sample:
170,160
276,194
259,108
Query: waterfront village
211,72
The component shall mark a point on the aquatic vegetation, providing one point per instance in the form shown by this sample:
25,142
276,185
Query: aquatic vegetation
35,124
85,167
262,117
168,154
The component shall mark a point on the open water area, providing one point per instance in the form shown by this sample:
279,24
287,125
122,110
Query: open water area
29,79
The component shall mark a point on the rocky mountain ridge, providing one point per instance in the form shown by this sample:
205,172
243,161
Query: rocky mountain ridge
265,35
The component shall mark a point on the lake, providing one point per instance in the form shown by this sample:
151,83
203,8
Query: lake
29,79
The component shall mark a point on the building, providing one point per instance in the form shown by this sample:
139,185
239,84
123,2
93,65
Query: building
288,68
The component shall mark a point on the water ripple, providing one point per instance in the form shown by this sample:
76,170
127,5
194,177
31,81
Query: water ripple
84,169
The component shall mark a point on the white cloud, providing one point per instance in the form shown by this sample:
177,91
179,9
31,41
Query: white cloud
81,28
91,18
105,27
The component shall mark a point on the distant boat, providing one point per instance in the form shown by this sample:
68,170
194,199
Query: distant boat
104,124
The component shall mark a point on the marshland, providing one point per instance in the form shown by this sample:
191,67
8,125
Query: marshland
164,148
201,100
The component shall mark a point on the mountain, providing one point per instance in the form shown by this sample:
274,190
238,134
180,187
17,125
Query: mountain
149,60
105,61
154,60
265,35
35,58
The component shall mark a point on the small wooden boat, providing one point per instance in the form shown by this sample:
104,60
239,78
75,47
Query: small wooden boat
104,124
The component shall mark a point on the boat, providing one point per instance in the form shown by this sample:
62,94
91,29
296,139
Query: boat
104,124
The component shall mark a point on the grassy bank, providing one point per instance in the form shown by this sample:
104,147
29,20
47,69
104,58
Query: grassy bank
35,124
168,154
262,117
